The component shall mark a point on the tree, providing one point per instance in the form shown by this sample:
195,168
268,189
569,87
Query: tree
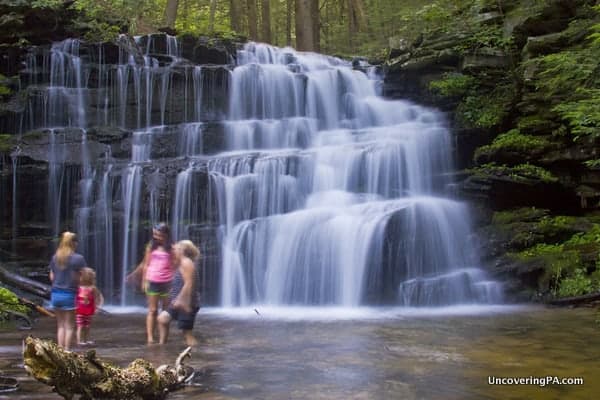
356,19
171,13
266,21
288,22
252,19
235,15
307,25
211,18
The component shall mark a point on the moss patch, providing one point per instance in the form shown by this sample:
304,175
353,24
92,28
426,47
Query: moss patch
570,268
519,173
514,141
6,143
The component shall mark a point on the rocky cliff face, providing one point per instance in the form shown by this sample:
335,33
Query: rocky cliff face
518,81
72,109
526,136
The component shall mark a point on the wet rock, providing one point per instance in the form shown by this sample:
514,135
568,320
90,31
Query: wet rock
508,191
485,58
398,46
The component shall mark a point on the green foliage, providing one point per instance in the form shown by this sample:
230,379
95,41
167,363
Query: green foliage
558,222
570,81
562,73
592,164
452,84
582,115
585,238
10,302
523,214
479,111
564,267
6,143
576,284
47,3
519,173
485,36
514,140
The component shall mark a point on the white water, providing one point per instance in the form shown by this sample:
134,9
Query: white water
305,224
323,193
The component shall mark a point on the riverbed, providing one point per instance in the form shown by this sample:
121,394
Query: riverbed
364,353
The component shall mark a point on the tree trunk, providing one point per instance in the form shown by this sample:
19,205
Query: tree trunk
356,19
211,16
235,15
252,20
186,13
171,13
288,22
266,21
316,25
307,25
83,374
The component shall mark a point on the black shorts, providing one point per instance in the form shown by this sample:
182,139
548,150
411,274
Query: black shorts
185,321
160,289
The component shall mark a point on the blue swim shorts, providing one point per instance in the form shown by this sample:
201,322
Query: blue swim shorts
62,299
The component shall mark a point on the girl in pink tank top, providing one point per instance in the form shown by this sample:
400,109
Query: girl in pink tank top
158,274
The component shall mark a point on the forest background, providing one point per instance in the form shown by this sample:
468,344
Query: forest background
339,27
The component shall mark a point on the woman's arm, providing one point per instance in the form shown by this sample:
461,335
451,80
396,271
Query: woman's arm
184,298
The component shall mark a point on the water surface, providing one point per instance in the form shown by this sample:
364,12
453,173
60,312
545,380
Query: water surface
365,353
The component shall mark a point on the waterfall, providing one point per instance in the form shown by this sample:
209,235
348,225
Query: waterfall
298,181
328,176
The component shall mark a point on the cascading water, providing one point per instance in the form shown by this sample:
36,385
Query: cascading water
331,174
304,188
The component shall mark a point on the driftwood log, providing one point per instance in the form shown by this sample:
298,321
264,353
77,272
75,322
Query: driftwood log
84,374
576,300
25,284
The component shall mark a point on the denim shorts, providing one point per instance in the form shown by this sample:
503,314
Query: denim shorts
62,299
185,321
158,288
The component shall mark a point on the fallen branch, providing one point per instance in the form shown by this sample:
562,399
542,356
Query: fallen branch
84,374
36,307
576,300
25,284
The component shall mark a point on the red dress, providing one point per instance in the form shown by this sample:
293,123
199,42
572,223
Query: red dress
85,302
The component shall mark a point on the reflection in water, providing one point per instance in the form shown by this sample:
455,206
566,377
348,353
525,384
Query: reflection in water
385,354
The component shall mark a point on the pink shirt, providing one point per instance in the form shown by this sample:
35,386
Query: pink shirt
159,268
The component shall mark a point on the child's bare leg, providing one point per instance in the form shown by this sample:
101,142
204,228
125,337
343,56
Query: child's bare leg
80,339
189,338
164,320
151,317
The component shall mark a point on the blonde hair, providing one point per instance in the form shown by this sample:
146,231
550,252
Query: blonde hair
88,277
66,247
189,249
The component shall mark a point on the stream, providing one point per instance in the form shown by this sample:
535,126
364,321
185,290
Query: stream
353,353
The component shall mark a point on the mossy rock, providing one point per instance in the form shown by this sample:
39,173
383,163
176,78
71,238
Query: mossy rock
513,147
7,143
523,173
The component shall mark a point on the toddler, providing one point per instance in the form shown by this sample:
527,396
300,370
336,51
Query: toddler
88,301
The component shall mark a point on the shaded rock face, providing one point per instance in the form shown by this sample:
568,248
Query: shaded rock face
255,162
78,116
550,171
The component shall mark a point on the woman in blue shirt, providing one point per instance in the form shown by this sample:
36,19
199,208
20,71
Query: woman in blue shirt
65,268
